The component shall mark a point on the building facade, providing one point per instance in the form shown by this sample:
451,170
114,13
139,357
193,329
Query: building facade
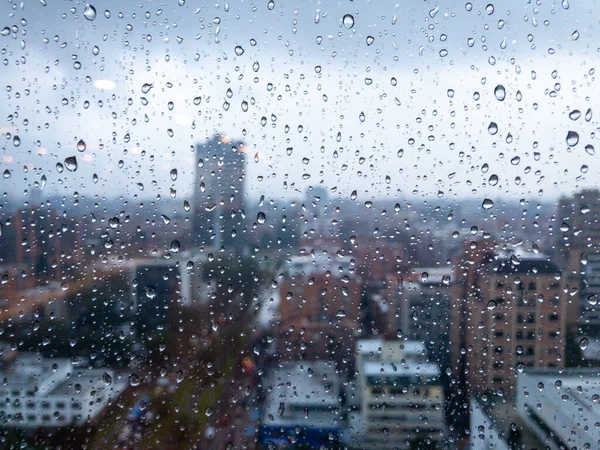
508,313
401,397
219,193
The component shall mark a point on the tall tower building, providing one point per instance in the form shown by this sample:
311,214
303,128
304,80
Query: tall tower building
219,193
508,313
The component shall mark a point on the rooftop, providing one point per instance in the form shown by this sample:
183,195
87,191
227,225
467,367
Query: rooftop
304,394
408,368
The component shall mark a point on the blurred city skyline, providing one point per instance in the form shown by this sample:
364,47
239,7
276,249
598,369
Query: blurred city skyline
317,102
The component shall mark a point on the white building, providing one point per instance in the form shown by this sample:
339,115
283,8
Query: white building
302,405
402,400
561,406
38,392
484,430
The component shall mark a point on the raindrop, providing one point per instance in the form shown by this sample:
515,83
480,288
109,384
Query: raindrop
71,163
500,92
370,40
572,138
239,50
583,343
261,218
16,141
173,174
107,378
487,204
493,128
89,12
81,145
589,149
6,173
489,9
348,21
134,380
575,114
493,181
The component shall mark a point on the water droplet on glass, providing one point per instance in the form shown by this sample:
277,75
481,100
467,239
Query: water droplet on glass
16,141
575,114
500,92
348,20
89,12
261,218
492,128
583,343
107,378
489,9
487,204
173,174
493,181
71,163
134,380
6,173
589,149
239,50
370,40
572,138
271,5
81,145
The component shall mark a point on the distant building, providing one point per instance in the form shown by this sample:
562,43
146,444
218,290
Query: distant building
418,306
219,193
319,308
508,313
578,246
50,393
484,431
302,405
561,406
402,400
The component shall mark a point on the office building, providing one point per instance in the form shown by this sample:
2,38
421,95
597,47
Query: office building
419,306
401,397
319,308
302,405
219,193
51,393
508,313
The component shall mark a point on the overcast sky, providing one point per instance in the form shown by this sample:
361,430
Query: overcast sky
397,105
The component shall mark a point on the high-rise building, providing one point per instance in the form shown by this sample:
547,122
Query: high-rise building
508,313
219,193
578,246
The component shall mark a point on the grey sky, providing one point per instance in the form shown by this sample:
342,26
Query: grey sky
404,83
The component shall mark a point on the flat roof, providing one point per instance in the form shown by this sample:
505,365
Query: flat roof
310,386
409,368
406,348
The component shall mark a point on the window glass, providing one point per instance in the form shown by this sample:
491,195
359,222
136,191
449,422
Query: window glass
274,224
